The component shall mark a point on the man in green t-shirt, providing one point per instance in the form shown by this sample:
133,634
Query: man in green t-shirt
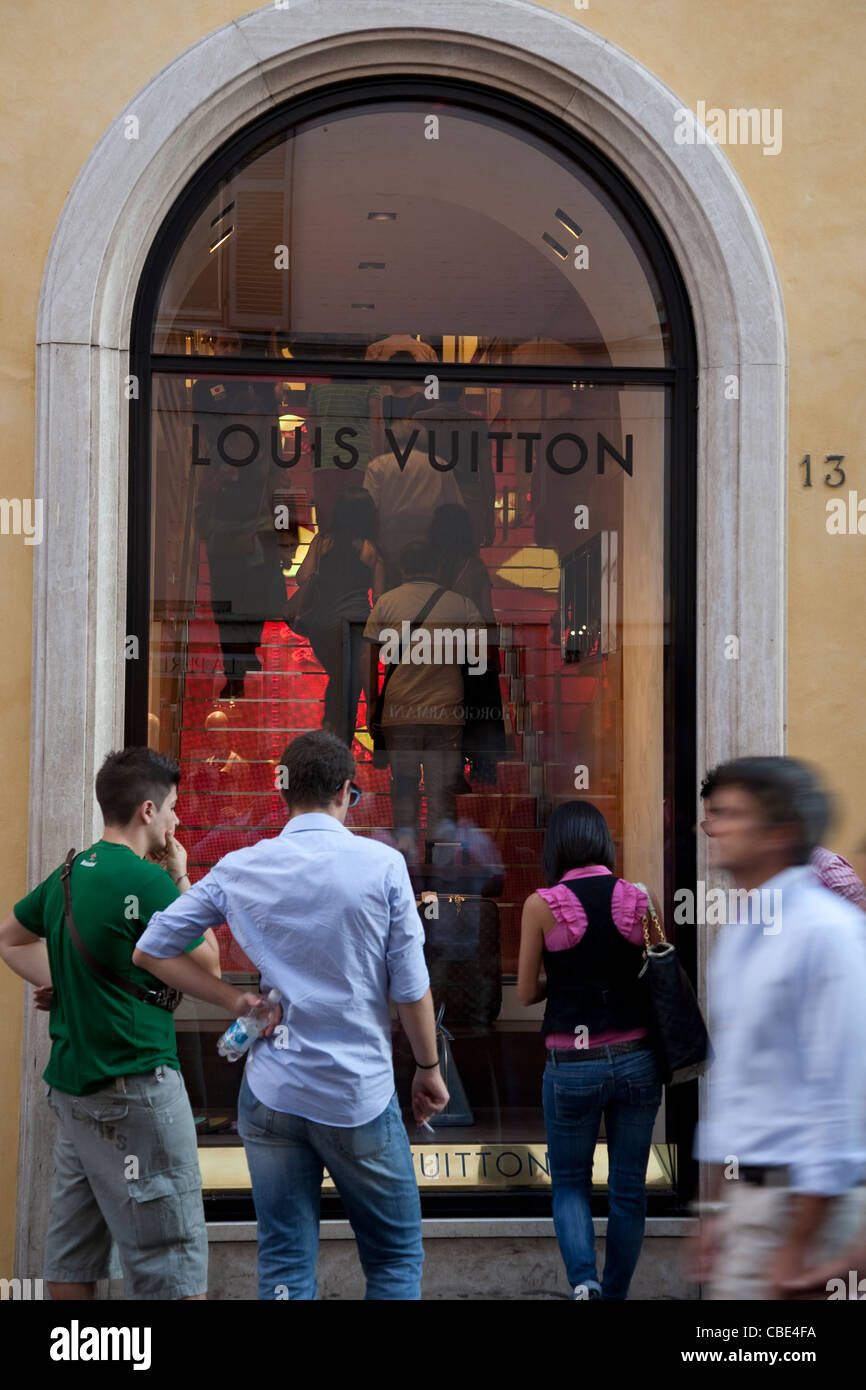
126,1161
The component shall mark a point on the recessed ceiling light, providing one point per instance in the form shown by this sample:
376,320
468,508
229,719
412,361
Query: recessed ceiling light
555,246
371,265
381,217
363,306
219,241
568,222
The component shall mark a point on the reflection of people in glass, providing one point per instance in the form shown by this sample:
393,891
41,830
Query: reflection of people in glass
458,563
234,515
338,423
406,495
456,430
347,564
390,403
585,927
461,568
422,716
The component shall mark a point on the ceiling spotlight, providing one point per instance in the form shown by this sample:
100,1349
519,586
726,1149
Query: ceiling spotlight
560,251
371,265
219,241
568,222
381,217
363,306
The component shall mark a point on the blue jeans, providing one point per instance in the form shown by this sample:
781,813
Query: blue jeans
627,1090
372,1168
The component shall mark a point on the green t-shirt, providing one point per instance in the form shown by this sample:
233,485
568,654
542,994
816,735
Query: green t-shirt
97,1031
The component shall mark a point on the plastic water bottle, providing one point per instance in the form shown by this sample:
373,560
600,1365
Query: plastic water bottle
240,1035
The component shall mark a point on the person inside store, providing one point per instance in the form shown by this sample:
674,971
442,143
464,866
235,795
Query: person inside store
234,514
341,568
399,399
584,929
113,1075
460,567
406,489
422,714
458,433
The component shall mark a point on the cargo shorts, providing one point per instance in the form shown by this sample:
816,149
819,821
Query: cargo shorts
126,1168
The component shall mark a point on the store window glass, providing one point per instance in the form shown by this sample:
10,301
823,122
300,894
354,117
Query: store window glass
370,364
542,508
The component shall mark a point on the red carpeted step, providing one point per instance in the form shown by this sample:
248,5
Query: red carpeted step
372,810
519,848
512,777
540,661
497,810
232,957
239,778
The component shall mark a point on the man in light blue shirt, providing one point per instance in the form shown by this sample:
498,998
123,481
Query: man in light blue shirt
785,1126
329,920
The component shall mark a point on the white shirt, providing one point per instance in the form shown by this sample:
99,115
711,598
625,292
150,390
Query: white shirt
407,497
787,1020
329,919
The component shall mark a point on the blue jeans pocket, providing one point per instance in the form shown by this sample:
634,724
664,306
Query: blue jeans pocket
644,1094
576,1102
366,1141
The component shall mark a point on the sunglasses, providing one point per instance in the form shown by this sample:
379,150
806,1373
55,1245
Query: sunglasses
355,794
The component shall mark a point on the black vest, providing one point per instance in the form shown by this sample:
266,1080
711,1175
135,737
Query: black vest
595,983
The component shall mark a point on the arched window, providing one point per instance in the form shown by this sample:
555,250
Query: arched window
404,334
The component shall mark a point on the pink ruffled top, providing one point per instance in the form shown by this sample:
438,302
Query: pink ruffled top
628,905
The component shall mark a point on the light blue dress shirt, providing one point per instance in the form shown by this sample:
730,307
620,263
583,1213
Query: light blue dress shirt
787,1020
329,919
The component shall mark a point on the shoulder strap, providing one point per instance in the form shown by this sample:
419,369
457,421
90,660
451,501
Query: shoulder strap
164,998
416,622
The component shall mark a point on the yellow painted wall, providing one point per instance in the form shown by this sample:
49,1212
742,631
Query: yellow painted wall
66,70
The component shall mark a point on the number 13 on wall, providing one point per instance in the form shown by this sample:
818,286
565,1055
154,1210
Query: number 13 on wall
835,459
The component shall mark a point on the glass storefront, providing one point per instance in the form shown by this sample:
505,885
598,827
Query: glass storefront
416,328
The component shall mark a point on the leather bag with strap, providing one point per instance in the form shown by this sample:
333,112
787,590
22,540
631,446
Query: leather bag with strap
679,1033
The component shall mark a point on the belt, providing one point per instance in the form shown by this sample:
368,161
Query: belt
584,1054
765,1175
120,1081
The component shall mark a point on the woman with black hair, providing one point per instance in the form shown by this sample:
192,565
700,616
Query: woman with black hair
586,928
344,565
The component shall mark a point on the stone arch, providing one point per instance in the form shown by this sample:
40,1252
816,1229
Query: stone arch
107,225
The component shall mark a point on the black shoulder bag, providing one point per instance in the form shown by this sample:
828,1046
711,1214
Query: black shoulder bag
165,998
380,756
679,1033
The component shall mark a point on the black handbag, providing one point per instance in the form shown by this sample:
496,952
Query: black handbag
463,952
380,754
679,1033
164,998
458,1110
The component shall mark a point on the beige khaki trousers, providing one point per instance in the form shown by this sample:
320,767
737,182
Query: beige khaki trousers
754,1227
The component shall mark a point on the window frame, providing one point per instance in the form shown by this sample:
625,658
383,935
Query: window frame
680,653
